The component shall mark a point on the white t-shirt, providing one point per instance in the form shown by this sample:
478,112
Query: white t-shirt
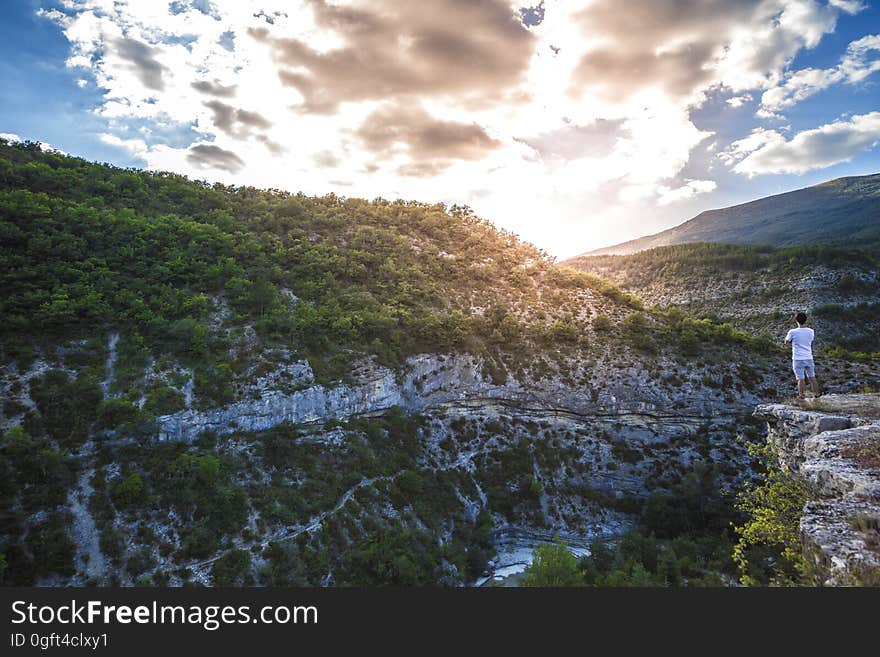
801,343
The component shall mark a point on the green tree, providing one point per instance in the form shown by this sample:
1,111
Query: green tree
129,491
553,565
769,547
232,569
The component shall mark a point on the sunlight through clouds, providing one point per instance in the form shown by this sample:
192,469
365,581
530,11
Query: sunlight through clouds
552,127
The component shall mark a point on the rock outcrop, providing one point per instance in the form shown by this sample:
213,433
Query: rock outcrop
431,381
830,442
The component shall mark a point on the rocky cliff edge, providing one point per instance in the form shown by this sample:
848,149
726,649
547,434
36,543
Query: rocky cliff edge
833,443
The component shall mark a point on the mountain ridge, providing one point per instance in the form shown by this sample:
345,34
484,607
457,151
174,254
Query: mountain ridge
838,211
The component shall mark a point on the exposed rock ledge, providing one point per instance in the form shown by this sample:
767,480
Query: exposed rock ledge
814,439
431,381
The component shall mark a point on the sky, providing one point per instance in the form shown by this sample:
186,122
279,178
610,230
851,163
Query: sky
576,125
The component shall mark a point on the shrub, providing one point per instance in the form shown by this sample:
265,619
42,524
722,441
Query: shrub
163,400
129,491
769,547
232,569
552,565
114,413
51,546
601,323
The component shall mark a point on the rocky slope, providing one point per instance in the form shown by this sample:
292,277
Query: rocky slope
572,454
834,444
759,290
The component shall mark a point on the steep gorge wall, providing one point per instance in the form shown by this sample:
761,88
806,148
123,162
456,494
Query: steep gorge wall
457,381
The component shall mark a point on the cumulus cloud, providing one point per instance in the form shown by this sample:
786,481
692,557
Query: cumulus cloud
209,156
768,151
739,101
44,146
574,141
431,143
274,147
327,159
143,61
849,6
136,147
862,58
234,121
402,49
585,108
685,47
688,190
214,88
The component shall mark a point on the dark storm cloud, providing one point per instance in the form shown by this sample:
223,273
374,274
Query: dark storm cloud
142,59
209,156
570,142
236,122
665,43
214,89
476,51
422,136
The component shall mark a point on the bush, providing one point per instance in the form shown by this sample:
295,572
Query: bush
163,400
51,546
692,506
115,413
636,329
232,569
769,547
67,406
129,491
112,543
198,542
601,323
552,565
140,561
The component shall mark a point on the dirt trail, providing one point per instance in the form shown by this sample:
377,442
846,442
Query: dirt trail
111,364
89,558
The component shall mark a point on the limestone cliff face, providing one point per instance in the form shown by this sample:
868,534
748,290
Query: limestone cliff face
433,381
820,441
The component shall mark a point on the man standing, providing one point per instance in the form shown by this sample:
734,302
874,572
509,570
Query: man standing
801,339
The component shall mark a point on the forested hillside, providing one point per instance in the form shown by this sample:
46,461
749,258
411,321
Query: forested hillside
760,288
227,385
88,247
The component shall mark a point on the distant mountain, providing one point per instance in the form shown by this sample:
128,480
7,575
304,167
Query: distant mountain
843,211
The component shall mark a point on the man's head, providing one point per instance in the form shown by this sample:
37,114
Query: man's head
801,318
